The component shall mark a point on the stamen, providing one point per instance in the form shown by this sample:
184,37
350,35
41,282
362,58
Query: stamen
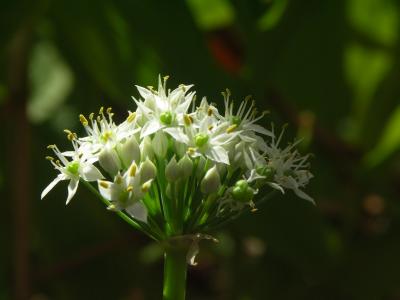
50,158
129,189
231,128
131,117
83,120
132,171
109,110
187,119
104,184
146,187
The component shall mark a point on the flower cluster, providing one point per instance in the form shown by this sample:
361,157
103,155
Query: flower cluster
174,167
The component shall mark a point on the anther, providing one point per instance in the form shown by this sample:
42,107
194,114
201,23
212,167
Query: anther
104,184
83,120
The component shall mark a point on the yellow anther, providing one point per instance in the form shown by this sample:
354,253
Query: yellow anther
209,112
132,171
228,92
166,77
109,110
188,119
101,110
58,163
91,116
98,119
145,187
83,120
104,184
210,127
131,117
129,189
51,146
231,128
50,158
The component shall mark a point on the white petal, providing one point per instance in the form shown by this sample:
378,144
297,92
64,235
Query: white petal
218,154
177,134
259,129
91,173
303,195
150,127
105,192
72,187
276,186
51,185
138,211
145,93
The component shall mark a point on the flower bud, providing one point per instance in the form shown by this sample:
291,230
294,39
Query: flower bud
160,144
185,164
211,181
147,170
242,192
109,161
172,171
147,148
130,151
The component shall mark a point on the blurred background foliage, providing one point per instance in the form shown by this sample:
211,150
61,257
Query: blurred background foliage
331,69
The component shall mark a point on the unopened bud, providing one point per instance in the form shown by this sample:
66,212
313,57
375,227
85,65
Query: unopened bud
160,144
130,151
185,165
211,181
109,161
146,148
147,170
172,171
242,192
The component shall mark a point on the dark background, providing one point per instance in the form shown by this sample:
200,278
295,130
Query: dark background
331,69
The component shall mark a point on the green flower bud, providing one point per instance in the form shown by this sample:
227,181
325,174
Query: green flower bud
129,151
266,171
166,118
147,171
186,166
201,139
172,171
242,192
211,181
109,161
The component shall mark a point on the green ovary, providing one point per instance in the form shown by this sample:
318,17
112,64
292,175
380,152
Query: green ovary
201,139
73,167
166,118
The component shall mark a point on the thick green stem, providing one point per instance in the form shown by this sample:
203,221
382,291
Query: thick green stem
175,268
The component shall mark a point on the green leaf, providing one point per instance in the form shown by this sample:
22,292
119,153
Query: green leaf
273,15
212,14
51,81
389,142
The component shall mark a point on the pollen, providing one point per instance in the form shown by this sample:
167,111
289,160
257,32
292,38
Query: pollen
209,112
191,151
129,189
51,158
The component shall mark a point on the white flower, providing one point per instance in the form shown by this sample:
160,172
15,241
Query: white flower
79,166
206,138
126,191
104,133
162,109
289,169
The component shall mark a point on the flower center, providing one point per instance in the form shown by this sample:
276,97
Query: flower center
73,167
266,171
201,139
166,118
236,120
106,136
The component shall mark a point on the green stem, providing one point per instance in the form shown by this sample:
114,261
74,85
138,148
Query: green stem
175,268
